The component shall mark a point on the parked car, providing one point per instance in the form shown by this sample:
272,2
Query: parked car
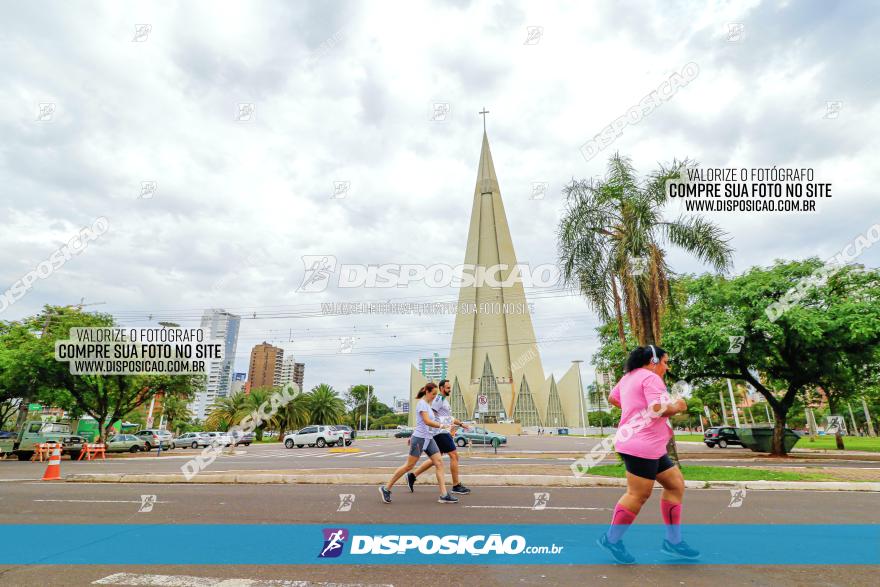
34,432
245,438
721,436
351,433
126,443
403,433
479,436
219,438
153,437
319,436
192,440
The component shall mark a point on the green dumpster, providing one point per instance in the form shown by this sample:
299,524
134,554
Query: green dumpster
761,439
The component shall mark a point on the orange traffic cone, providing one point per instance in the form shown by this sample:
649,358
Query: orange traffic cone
53,471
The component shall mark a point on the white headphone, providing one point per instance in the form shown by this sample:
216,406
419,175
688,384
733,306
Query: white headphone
654,359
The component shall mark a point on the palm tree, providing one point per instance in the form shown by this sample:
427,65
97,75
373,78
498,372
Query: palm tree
610,245
176,412
251,404
226,411
293,415
325,405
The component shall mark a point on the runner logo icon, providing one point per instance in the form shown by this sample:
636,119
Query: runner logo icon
334,541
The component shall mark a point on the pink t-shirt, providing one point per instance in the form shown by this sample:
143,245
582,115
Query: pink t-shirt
639,434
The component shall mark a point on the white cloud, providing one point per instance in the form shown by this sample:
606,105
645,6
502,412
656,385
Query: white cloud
343,93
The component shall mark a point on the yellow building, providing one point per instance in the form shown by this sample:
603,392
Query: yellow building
494,352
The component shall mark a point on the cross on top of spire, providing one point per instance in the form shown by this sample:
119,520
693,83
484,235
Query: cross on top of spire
484,113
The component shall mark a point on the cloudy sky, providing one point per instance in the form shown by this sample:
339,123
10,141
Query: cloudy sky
97,102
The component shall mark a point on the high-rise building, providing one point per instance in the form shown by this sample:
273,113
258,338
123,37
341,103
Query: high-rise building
433,368
291,371
598,400
494,362
238,382
265,366
222,325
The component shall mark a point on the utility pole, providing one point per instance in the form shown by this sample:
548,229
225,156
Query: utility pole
733,404
868,418
369,372
581,393
723,410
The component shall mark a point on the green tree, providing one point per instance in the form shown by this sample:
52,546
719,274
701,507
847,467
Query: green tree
28,369
177,413
825,340
325,405
611,239
293,415
226,412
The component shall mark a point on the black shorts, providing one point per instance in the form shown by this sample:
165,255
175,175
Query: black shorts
445,442
646,468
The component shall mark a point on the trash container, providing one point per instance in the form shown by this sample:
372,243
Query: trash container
562,432
761,439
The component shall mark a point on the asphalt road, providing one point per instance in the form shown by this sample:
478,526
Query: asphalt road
389,453
66,503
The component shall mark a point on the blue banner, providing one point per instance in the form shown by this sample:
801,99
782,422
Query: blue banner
464,544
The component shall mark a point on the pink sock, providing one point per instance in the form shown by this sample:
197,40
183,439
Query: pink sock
621,520
672,518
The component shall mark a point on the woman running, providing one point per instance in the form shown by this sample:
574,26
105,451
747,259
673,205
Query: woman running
422,440
641,441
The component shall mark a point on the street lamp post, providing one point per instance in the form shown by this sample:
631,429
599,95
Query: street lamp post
367,424
581,393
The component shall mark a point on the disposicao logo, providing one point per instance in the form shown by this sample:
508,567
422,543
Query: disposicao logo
334,541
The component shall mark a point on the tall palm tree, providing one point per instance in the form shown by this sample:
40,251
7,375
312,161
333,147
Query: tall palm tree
611,239
610,245
325,405
226,411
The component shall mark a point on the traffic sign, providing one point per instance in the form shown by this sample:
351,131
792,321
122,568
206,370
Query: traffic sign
483,404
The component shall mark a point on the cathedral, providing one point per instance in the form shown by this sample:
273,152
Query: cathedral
494,353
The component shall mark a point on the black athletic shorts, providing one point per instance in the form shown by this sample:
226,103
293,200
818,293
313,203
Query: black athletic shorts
445,442
646,468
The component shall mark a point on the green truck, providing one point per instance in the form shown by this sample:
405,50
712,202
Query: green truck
36,432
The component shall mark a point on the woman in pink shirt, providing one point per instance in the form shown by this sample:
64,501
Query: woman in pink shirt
640,441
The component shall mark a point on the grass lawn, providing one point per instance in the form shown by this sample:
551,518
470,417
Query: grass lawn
865,443
702,473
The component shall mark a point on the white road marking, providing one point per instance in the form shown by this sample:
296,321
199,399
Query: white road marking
192,581
98,500
528,507
367,454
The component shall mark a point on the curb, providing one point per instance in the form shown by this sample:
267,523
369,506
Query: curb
475,480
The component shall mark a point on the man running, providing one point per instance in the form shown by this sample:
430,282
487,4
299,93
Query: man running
444,440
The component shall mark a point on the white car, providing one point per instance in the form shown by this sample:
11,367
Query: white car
219,438
192,440
319,436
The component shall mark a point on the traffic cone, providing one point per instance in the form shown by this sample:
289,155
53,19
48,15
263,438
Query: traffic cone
53,471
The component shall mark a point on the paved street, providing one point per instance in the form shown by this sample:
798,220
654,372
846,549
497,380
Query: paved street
392,452
23,500
36,503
